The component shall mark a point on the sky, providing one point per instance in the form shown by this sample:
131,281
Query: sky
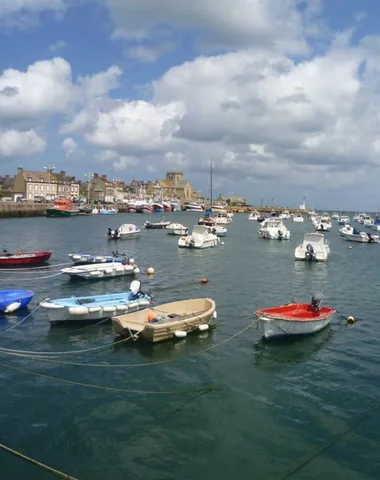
283,96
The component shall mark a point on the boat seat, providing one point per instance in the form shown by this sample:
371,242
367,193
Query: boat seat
84,301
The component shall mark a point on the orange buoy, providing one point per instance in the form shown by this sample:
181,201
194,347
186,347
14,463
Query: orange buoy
204,280
151,315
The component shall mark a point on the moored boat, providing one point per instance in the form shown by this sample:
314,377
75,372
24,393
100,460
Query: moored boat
314,248
63,207
273,229
98,271
294,318
125,231
177,229
21,259
201,237
12,300
156,225
96,307
167,321
86,258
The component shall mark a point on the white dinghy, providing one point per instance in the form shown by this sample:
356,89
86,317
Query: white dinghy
98,271
177,229
201,237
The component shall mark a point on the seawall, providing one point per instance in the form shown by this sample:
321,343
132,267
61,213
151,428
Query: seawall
11,209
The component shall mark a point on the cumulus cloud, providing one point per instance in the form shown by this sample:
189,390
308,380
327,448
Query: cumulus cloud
69,147
150,53
119,162
15,143
222,24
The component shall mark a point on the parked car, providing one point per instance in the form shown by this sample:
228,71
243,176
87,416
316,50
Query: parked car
39,199
21,199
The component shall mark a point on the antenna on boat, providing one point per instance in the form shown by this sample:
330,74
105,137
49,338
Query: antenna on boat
211,182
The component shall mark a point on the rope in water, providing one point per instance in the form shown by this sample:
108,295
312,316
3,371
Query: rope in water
112,389
131,365
37,463
69,352
34,278
21,321
334,440
22,270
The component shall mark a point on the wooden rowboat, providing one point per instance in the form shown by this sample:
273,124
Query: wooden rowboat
293,319
170,320
21,259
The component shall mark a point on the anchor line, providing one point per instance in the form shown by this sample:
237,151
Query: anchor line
21,321
34,278
27,269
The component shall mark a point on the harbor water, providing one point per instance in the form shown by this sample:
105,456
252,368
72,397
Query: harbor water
217,405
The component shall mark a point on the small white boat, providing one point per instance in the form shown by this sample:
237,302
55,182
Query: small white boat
201,237
108,211
221,218
361,237
344,220
294,318
219,231
124,232
177,229
273,229
167,321
254,215
97,271
335,216
346,230
96,307
314,248
285,215
193,207
298,218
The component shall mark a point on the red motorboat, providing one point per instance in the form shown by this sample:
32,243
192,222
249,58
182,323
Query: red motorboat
20,259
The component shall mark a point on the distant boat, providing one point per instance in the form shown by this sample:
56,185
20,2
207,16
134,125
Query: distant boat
20,259
156,225
314,248
98,271
63,207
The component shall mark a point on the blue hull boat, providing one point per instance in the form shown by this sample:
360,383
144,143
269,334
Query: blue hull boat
12,300
85,258
96,307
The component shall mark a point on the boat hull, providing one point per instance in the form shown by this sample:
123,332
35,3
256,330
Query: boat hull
275,328
100,272
25,259
55,212
204,312
16,299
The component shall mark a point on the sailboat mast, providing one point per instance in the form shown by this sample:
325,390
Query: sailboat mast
211,181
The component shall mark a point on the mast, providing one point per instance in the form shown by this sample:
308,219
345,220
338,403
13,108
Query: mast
211,181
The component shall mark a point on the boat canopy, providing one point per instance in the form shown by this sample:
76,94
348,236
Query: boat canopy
313,237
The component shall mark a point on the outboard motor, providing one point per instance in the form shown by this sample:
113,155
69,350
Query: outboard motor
280,234
370,238
109,233
316,302
309,254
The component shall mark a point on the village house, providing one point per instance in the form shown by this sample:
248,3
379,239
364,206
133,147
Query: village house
6,186
175,186
102,189
45,184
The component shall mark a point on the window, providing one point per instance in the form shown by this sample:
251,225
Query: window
41,179
35,187
30,187
41,187
30,179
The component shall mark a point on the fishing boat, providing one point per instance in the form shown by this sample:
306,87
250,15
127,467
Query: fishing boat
273,229
108,211
298,218
96,307
167,321
86,258
294,318
22,259
124,232
177,229
63,207
201,237
97,271
254,215
156,225
314,248
12,300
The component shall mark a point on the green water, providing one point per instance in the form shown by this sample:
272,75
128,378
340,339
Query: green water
274,403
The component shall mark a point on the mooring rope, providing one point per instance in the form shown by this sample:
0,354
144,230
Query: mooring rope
21,321
22,270
16,353
37,463
34,278
113,389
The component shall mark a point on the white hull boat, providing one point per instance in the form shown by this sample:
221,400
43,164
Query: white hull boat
97,307
201,237
177,229
294,319
97,271
346,230
124,232
219,231
273,229
298,219
362,237
314,248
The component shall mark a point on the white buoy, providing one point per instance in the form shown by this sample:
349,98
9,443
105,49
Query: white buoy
203,328
215,315
180,334
136,270
12,307
222,243
150,271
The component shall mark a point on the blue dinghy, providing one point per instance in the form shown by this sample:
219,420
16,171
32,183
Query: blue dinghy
85,258
12,300
97,307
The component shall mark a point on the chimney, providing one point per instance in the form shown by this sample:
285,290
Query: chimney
104,177
20,170
96,176
62,173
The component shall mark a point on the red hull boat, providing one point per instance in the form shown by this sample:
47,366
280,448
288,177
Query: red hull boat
24,258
